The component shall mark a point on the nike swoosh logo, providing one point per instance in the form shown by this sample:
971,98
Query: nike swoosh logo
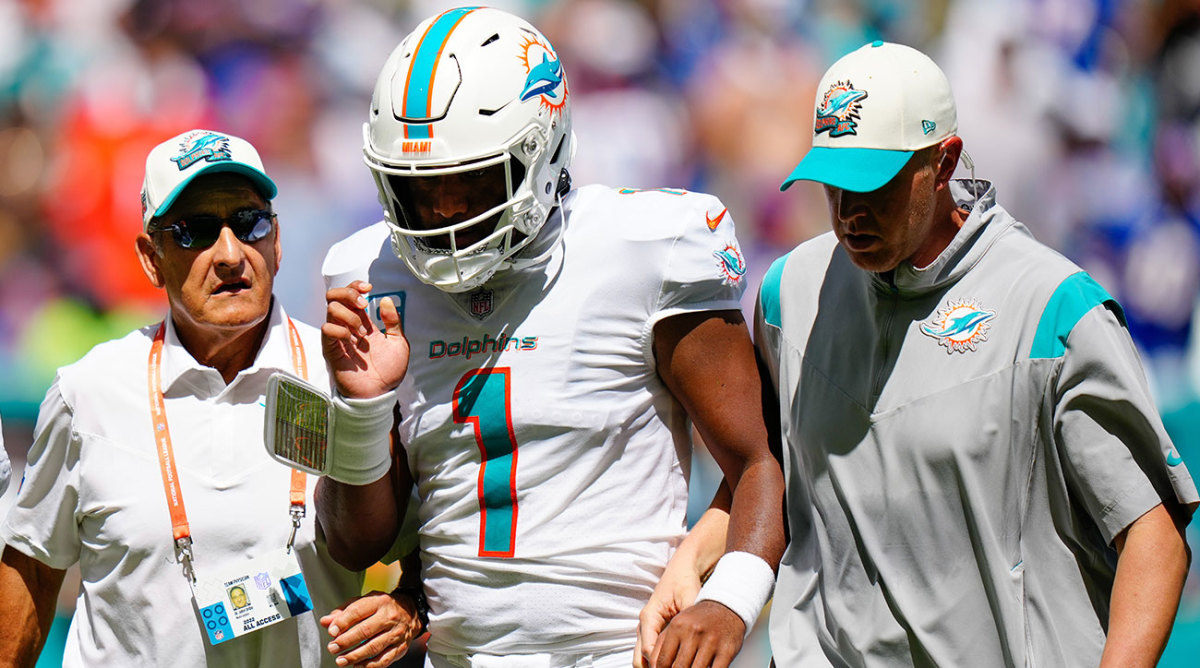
1173,458
714,222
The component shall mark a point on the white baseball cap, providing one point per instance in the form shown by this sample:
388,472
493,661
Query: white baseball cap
173,164
875,106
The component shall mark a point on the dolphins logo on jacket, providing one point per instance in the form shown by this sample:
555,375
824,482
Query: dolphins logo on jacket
960,327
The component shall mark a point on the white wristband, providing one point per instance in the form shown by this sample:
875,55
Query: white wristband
360,452
742,582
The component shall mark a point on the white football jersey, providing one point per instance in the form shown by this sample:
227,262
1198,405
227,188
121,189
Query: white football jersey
550,459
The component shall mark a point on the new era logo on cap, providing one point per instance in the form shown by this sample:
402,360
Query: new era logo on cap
875,106
173,164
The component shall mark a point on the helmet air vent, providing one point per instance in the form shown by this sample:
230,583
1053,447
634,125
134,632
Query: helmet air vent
492,112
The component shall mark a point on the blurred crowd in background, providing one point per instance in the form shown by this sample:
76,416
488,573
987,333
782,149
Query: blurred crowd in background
1084,113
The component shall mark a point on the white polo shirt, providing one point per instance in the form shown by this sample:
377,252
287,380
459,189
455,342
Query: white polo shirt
93,494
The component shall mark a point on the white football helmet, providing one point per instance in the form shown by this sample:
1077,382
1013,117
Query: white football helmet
471,93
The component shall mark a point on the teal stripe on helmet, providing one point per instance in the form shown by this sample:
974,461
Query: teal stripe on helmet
768,294
420,78
1075,296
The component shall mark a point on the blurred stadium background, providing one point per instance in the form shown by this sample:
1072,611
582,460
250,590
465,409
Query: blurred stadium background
1085,113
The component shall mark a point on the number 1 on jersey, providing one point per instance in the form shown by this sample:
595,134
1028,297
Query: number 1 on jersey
482,399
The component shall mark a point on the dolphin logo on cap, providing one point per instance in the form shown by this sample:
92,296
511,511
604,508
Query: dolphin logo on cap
209,146
839,109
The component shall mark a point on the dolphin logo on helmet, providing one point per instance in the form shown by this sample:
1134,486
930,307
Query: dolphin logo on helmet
543,79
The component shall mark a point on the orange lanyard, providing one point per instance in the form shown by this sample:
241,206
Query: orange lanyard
166,454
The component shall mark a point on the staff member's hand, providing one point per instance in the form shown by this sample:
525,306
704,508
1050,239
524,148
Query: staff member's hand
675,591
373,630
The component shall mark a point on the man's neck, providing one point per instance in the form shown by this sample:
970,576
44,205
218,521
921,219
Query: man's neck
229,351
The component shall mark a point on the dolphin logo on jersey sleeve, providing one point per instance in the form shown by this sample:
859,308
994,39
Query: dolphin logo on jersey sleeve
731,264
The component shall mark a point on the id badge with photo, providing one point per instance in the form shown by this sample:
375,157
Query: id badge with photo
240,599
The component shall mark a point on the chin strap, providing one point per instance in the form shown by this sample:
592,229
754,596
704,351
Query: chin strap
564,185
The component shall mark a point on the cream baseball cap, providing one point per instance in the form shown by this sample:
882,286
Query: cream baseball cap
173,164
875,106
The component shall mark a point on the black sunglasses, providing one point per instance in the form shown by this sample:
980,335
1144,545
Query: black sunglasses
200,232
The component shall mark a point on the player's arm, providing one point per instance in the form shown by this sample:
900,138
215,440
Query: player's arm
696,556
1152,563
360,522
708,362
361,502
28,593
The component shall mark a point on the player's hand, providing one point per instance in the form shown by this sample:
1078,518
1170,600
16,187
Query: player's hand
706,634
678,588
365,361
373,630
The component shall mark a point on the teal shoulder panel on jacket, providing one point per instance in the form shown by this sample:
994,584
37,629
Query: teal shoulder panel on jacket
768,294
1075,296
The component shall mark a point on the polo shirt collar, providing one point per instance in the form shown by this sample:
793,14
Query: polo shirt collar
274,354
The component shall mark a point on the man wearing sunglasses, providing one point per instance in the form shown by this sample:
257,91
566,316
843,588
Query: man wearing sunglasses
147,467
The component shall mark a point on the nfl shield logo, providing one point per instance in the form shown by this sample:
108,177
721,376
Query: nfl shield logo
262,581
481,303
